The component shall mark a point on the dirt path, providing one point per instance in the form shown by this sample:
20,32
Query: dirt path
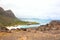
23,35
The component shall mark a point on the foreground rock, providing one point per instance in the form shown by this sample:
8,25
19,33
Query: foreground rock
4,29
53,25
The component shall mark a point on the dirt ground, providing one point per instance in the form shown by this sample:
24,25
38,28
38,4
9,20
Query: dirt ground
24,35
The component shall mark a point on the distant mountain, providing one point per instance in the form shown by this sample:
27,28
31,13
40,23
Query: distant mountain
7,18
7,13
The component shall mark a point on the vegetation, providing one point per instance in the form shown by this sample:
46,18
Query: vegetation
7,18
7,21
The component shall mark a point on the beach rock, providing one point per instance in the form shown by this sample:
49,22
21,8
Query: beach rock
3,29
23,29
53,25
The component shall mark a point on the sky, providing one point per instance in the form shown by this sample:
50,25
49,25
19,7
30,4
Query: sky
44,9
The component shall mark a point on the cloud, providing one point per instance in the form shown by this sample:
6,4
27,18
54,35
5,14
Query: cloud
33,8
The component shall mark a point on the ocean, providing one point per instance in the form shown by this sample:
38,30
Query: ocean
40,21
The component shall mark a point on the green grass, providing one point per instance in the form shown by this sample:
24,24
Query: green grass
8,21
7,18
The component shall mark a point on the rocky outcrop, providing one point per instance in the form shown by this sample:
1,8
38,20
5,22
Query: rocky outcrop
53,25
3,29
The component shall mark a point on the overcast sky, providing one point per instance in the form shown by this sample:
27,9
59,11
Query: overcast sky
33,8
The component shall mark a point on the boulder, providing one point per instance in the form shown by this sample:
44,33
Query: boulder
3,29
53,25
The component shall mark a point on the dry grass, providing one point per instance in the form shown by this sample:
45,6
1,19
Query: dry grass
24,35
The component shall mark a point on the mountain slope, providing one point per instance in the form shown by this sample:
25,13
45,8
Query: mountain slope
7,18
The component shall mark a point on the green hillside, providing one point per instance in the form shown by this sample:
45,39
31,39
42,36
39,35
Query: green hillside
7,18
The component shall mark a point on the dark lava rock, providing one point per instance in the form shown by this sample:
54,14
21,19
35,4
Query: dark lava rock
3,29
53,25
23,29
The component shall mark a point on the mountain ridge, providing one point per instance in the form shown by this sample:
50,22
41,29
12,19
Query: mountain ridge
7,18
7,13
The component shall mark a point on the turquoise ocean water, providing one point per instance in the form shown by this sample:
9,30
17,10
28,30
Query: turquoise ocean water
40,21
